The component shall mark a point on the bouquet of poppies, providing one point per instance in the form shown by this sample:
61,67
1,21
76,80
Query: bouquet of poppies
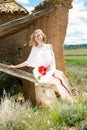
39,72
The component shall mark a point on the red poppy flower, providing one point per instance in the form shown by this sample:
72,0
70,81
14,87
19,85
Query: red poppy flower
42,70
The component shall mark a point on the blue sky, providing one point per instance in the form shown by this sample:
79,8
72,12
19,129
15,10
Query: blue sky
77,23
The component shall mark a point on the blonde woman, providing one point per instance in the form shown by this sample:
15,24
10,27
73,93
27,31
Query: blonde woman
42,57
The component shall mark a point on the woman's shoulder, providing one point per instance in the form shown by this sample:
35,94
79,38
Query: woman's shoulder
48,45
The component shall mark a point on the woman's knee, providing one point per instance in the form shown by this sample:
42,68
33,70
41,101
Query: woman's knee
53,80
59,73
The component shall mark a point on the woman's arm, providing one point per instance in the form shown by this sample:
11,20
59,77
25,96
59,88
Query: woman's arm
19,65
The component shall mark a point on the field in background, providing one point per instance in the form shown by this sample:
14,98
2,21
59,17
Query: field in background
76,56
76,65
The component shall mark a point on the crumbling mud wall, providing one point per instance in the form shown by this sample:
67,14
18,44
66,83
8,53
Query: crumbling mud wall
54,26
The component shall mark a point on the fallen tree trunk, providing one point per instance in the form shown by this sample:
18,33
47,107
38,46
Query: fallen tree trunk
17,73
21,74
18,24
44,93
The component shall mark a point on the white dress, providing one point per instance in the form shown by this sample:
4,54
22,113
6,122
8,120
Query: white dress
42,56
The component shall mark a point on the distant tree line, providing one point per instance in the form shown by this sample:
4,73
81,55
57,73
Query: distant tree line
75,46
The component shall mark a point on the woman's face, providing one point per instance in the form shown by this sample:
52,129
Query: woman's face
38,37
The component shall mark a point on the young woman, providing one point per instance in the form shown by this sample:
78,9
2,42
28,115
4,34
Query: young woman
42,59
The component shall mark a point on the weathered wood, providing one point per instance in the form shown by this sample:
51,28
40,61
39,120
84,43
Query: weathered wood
45,97
17,72
22,74
45,93
18,24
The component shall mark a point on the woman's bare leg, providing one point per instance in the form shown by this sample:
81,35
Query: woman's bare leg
60,89
60,75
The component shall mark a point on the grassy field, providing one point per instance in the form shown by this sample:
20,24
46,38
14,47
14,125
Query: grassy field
76,57
62,115
76,63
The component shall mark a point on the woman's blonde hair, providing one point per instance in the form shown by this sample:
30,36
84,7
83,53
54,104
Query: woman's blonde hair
32,38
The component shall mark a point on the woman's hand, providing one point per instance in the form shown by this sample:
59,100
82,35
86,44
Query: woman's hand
11,66
48,67
23,64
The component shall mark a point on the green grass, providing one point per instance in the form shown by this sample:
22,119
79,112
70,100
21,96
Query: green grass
61,116
75,62
76,57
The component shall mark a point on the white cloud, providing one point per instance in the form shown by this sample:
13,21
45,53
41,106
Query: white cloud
23,1
77,28
25,4
29,8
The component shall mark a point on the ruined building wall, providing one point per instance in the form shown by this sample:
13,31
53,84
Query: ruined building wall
54,26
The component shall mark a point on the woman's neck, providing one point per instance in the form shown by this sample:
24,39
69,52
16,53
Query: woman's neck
40,44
